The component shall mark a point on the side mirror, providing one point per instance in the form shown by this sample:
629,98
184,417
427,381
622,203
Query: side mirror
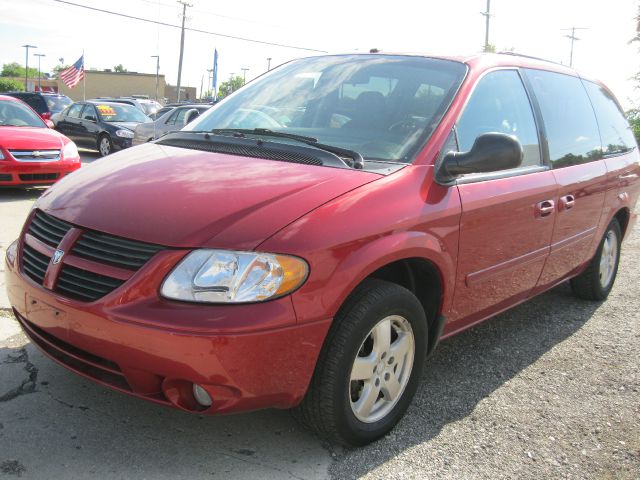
491,152
191,115
49,124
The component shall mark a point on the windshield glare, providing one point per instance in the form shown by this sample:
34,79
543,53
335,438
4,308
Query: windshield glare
384,107
57,103
120,112
14,114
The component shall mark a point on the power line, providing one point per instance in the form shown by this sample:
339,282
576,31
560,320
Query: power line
133,17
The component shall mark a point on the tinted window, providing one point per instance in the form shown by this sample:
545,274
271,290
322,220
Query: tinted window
172,118
500,104
74,110
615,132
36,102
568,117
89,111
57,103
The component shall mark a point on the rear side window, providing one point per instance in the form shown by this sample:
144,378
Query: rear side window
36,102
500,104
615,131
572,131
74,111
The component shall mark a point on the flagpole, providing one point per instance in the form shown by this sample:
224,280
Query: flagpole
84,79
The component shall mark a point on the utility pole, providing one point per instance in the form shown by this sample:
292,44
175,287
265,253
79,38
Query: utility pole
39,55
26,66
573,39
268,64
157,57
244,75
184,16
487,16
209,85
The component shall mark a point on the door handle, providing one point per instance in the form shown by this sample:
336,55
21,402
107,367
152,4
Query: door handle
545,208
567,202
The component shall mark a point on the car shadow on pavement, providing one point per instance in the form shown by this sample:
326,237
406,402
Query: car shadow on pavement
8,194
468,367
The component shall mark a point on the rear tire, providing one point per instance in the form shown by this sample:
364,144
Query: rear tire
597,280
370,365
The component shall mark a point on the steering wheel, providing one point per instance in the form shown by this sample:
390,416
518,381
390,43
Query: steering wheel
405,125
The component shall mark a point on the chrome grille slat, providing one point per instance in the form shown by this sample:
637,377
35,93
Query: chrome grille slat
35,155
32,264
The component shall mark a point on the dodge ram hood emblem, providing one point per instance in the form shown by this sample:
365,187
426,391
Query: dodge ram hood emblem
57,256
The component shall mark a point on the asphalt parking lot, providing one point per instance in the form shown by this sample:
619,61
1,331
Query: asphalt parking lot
550,389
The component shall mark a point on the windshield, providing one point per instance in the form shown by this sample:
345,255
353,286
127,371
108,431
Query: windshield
15,114
119,112
57,103
150,107
384,107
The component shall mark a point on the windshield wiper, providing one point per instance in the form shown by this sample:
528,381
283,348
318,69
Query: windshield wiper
357,160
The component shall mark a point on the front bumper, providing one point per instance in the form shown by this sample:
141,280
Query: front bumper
16,174
247,357
120,143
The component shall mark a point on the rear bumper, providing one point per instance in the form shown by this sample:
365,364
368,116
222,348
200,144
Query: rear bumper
118,345
13,174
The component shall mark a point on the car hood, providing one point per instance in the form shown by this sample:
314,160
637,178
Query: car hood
188,198
30,138
128,125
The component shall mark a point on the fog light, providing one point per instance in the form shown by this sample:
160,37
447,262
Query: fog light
201,396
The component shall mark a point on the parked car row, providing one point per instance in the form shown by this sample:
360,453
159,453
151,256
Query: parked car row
172,119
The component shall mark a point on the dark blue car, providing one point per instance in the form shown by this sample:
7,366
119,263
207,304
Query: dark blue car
103,126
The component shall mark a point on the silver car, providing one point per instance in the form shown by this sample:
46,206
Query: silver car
171,121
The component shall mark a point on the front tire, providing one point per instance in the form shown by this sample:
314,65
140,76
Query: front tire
370,366
596,282
105,145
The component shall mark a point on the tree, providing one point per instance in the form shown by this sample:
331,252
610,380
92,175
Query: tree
10,85
58,68
14,69
119,68
633,116
489,48
230,86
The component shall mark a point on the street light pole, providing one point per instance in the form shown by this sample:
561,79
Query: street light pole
157,57
268,64
39,55
244,75
487,16
26,66
184,15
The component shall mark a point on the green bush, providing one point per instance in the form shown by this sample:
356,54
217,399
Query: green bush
10,85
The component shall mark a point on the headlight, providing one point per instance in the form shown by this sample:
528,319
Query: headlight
70,151
124,133
12,252
223,276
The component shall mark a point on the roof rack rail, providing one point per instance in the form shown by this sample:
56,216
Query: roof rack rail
515,54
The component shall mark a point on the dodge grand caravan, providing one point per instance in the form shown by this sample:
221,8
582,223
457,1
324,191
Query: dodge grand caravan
309,240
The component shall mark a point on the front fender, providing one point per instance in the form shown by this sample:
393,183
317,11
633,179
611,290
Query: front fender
315,303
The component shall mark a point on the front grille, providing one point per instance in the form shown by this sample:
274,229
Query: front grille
84,285
103,250
48,229
38,177
115,251
35,155
5,177
34,264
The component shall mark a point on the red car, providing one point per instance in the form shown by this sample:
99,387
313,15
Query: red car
31,152
308,241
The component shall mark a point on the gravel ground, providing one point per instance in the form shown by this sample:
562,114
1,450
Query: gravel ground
547,390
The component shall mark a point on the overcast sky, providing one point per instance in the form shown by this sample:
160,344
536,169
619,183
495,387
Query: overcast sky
449,27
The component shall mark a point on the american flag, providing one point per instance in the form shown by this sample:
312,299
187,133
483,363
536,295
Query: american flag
71,76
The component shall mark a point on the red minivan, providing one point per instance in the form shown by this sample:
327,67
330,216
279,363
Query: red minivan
308,241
